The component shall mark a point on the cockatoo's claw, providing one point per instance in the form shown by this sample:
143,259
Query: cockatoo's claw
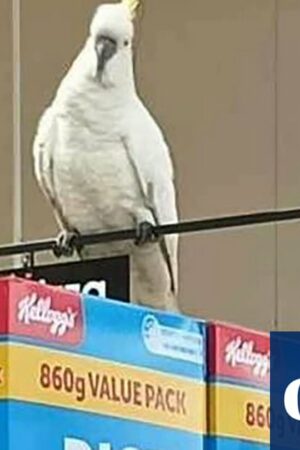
66,244
145,234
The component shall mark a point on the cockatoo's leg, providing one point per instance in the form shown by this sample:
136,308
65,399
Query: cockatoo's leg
146,220
66,243
145,233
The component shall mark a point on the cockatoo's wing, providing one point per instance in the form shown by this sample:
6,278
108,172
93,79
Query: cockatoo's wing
151,161
43,156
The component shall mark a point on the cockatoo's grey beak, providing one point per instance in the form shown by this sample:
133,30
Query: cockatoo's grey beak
105,48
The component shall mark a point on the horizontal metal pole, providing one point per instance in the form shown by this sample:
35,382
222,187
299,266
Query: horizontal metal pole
193,226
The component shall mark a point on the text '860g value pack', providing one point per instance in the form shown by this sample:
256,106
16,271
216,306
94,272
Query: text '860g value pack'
79,373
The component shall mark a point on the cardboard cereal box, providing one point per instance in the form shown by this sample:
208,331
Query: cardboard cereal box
238,392
80,373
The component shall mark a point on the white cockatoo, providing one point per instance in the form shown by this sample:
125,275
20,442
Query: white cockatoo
103,163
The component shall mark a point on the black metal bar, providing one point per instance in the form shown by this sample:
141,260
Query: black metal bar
28,247
192,226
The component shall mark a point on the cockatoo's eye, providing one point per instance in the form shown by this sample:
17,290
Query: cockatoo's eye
126,43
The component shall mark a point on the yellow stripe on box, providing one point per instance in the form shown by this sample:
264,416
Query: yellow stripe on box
82,383
239,413
3,371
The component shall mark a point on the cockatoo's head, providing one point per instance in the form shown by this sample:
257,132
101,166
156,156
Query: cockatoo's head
111,35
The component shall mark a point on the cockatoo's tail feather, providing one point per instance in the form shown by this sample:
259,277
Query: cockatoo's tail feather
132,6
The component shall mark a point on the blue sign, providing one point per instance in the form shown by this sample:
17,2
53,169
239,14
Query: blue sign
285,388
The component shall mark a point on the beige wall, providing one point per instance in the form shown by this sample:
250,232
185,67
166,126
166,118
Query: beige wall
6,121
222,78
289,159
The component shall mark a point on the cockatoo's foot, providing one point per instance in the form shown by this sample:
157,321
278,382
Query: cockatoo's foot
145,234
66,243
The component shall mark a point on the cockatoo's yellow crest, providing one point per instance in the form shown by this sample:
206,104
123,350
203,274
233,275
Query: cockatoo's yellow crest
132,6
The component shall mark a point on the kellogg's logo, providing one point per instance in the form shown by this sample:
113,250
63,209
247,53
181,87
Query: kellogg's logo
239,352
35,309
46,314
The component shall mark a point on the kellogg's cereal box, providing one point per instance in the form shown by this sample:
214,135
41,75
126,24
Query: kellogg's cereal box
238,392
81,373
